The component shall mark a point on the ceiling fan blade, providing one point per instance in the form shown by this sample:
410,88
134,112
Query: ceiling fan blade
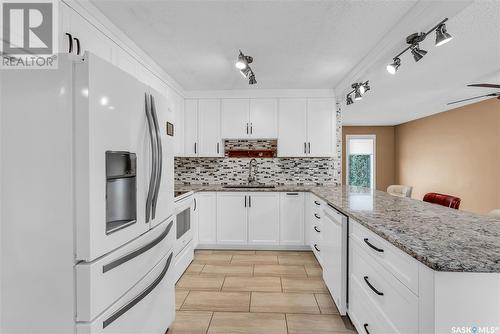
472,98
484,85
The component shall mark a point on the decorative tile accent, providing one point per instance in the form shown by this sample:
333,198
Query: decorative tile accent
306,171
251,144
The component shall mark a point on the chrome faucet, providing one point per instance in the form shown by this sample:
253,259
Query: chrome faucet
251,178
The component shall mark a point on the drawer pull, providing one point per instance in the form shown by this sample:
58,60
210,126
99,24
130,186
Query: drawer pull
316,247
316,229
138,298
380,250
317,203
137,252
372,287
316,215
366,328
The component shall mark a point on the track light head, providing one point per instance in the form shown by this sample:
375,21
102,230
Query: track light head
349,100
393,68
417,52
442,36
357,95
252,80
243,61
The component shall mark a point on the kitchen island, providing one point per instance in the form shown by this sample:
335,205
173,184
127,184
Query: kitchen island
444,264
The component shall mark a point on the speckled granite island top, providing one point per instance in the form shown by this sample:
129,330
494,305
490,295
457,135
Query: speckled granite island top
443,239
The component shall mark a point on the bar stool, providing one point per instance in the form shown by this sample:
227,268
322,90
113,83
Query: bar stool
399,190
442,199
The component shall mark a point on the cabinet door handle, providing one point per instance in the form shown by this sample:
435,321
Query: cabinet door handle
316,215
309,147
366,328
77,46
316,229
292,194
249,201
70,39
195,204
195,148
380,250
217,148
305,148
317,203
245,201
251,128
247,128
316,247
372,287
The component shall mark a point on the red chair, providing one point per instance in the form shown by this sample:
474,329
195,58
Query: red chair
444,200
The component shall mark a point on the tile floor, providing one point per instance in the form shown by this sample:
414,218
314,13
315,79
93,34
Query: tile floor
257,292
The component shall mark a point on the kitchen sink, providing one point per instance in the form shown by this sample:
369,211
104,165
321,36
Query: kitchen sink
248,186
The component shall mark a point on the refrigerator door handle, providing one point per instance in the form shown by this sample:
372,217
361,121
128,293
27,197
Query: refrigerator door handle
121,311
159,159
153,161
127,257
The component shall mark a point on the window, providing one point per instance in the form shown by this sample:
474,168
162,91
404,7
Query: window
360,160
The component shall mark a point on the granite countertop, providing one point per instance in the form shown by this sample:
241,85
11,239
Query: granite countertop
444,239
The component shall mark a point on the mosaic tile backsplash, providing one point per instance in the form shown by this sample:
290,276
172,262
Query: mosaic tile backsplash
307,171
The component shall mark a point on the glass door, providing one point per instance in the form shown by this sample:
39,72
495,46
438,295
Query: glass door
360,160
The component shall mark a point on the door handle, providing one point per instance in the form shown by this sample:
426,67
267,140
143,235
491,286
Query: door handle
121,311
77,46
70,40
159,156
380,250
152,178
137,252
372,287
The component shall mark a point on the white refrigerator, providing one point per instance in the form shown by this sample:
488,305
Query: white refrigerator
86,210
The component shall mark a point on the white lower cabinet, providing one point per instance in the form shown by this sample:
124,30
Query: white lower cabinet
206,205
263,218
232,218
292,218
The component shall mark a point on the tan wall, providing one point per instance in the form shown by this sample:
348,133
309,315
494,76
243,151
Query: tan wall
455,152
384,164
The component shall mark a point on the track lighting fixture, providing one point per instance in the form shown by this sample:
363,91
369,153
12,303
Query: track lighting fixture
442,37
245,70
359,89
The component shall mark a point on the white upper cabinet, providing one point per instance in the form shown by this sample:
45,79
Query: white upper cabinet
320,130
249,118
263,218
292,128
234,118
202,128
306,127
209,139
263,118
190,128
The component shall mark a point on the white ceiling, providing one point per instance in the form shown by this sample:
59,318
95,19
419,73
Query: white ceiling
322,45
295,44
424,88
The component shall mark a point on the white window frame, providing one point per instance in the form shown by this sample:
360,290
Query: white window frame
374,167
